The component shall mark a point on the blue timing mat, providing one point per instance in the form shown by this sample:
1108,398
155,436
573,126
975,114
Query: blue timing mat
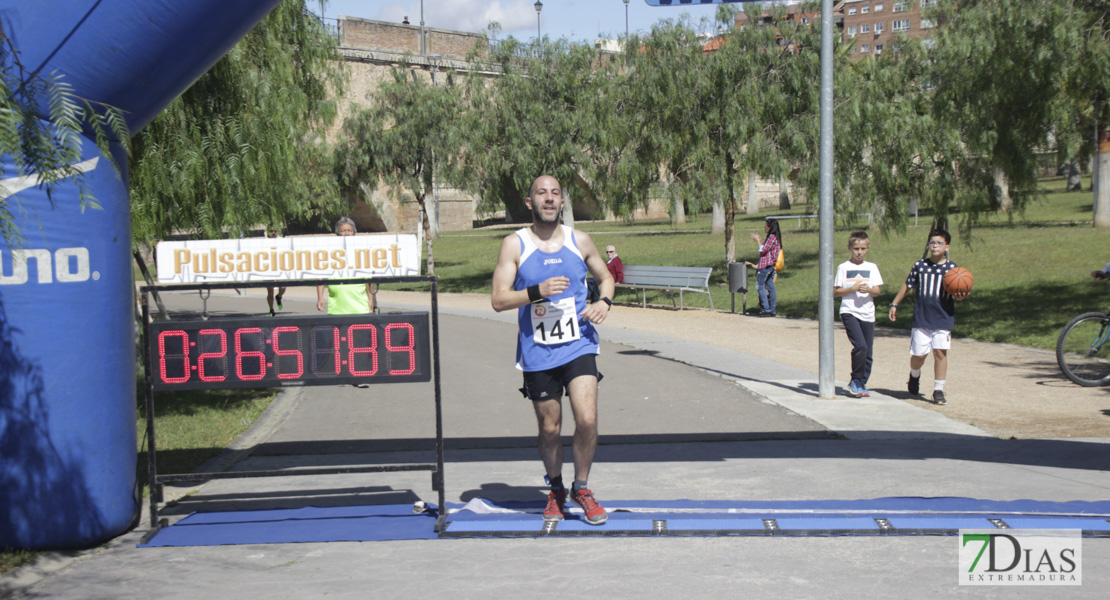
309,524
483,518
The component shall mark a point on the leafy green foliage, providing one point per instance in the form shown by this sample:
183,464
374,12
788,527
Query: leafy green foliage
998,68
48,147
711,119
244,145
889,146
930,122
540,115
405,135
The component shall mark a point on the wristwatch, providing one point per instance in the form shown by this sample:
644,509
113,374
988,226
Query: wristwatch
894,306
607,301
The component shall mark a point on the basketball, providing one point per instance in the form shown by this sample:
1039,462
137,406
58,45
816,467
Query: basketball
958,281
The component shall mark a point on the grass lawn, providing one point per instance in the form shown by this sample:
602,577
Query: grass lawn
1031,269
194,426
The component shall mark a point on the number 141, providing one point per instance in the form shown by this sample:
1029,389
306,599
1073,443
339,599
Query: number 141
557,332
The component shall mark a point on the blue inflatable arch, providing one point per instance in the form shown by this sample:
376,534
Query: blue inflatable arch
67,346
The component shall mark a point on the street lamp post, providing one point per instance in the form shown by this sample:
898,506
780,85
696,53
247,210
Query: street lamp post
539,7
626,19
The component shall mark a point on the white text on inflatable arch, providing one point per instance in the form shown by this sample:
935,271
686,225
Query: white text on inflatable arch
66,265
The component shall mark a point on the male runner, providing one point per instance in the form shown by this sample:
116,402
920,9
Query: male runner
541,270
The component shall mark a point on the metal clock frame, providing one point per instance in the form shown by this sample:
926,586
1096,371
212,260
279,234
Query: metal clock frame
157,480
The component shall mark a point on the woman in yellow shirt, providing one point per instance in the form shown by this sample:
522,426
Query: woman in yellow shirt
348,299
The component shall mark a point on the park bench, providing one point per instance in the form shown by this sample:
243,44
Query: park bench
681,279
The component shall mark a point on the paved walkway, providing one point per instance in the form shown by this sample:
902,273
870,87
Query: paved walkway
680,420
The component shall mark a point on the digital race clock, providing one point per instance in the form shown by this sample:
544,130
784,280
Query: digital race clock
285,351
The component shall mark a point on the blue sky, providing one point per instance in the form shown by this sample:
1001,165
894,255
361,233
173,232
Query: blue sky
579,20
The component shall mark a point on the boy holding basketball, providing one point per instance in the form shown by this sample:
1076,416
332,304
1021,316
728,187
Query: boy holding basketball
934,313
857,283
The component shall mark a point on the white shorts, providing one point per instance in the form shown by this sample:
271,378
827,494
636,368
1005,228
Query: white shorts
924,340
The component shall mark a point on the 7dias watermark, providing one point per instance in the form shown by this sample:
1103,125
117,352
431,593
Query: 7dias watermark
1021,557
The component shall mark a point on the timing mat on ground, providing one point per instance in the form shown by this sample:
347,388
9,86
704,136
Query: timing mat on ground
881,516
485,518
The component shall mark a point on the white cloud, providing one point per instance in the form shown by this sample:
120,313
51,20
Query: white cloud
464,15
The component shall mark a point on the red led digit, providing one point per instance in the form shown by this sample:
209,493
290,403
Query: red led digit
240,354
372,350
221,355
318,350
279,353
409,348
184,356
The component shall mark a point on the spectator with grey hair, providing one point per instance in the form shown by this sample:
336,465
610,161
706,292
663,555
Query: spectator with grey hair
349,299
614,264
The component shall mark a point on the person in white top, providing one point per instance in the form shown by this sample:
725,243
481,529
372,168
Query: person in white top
857,283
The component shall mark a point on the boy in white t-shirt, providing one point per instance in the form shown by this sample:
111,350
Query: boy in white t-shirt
857,283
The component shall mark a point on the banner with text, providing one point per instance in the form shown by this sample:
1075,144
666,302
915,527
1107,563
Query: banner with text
255,259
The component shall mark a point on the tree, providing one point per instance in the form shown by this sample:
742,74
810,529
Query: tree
654,122
46,149
410,130
244,145
537,116
747,108
997,68
889,148
1087,89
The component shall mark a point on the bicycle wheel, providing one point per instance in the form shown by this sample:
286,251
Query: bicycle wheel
1082,350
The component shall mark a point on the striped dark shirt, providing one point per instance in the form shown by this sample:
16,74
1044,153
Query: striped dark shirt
933,308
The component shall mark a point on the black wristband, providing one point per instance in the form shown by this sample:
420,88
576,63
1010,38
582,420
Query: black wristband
534,295
894,306
607,301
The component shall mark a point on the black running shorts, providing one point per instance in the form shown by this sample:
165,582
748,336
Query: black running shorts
552,383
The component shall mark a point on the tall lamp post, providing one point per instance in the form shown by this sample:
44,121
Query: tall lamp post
626,19
423,38
539,7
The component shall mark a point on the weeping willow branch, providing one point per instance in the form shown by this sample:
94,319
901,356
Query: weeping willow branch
45,150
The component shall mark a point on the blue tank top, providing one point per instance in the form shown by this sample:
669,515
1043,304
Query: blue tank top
552,333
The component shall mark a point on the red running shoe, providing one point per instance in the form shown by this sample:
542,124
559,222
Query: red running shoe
595,515
555,502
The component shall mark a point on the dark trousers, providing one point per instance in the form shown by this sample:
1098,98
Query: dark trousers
862,336
593,290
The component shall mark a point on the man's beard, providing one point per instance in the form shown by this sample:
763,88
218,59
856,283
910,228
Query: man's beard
537,214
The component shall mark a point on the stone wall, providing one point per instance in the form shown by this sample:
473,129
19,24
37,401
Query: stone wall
367,34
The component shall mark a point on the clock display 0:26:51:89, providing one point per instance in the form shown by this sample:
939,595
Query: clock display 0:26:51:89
256,353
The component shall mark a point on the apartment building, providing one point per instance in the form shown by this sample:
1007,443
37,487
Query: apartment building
873,25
